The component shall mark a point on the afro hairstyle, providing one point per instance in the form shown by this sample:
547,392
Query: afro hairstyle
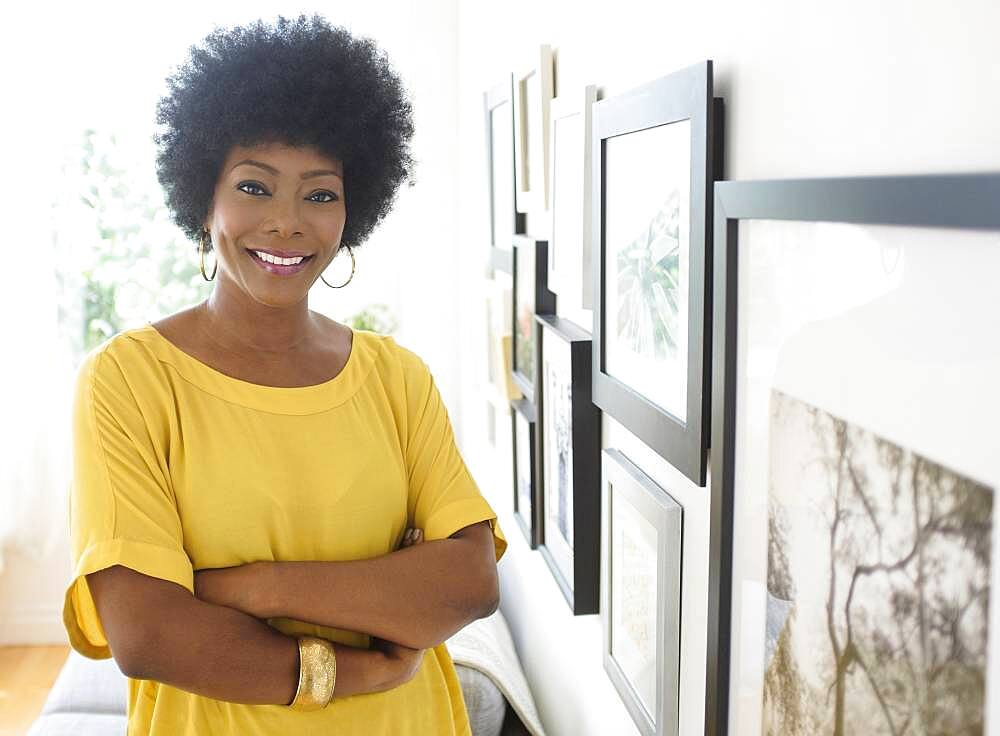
298,82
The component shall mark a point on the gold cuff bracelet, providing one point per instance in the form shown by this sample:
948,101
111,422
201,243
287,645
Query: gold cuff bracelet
317,674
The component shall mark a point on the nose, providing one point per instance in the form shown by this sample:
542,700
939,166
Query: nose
283,218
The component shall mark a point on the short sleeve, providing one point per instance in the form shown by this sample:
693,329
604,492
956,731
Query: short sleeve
443,497
122,509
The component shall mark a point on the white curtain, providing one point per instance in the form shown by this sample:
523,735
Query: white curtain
36,375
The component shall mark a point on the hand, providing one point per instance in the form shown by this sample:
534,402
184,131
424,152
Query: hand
404,662
234,587
411,537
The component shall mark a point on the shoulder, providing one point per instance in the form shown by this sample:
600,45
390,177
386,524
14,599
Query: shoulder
126,347
122,362
405,377
395,356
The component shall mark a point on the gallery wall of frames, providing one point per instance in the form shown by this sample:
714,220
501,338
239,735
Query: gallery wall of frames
834,342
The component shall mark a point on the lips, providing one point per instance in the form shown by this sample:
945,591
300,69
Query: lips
277,269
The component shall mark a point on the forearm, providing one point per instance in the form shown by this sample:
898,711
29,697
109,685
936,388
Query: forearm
417,596
222,653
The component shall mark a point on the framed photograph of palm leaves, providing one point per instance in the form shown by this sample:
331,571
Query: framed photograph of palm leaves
852,547
569,438
531,297
527,510
656,153
504,221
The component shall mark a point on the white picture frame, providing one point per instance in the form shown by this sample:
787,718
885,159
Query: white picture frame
570,152
533,91
641,548
500,342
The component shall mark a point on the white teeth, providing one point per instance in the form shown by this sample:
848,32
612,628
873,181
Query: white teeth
280,261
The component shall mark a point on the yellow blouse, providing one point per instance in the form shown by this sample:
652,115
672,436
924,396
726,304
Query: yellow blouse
179,467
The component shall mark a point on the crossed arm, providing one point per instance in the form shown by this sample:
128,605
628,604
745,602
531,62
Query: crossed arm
417,596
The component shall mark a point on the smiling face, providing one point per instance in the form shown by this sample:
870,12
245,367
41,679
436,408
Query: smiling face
282,200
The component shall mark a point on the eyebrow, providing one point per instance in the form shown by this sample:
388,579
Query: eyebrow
267,167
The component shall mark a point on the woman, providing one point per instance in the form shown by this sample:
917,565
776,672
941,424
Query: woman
251,477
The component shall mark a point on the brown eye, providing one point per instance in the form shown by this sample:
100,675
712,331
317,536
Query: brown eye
249,184
332,197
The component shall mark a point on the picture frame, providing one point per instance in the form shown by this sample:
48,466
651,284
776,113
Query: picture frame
526,506
504,219
531,296
570,242
569,438
641,548
533,91
499,317
652,336
837,382
491,423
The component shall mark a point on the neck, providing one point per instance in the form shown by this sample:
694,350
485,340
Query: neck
241,324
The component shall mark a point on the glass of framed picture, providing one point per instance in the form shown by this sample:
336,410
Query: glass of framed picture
498,104
526,508
641,545
499,301
569,435
533,90
570,266
854,468
656,152
531,297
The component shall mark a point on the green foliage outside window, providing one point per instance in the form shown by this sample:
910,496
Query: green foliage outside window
121,261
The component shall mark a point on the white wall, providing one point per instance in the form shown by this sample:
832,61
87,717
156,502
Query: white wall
811,89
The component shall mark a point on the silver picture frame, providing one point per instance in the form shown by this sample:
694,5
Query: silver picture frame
641,548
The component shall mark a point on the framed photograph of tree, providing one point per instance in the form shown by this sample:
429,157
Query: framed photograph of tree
531,297
854,466
526,507
571,271
656,152
505,221
569,435
641,544
533,91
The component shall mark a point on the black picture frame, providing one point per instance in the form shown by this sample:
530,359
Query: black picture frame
686,95
963,201
493,104
624,485
528,519
531,296
578,576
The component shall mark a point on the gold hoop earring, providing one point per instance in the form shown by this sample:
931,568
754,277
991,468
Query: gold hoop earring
201,252
353,265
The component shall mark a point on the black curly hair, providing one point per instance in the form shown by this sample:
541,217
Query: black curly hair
300,82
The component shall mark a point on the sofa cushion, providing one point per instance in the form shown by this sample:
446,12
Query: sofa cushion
79,724
87,685
97,687
483,700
